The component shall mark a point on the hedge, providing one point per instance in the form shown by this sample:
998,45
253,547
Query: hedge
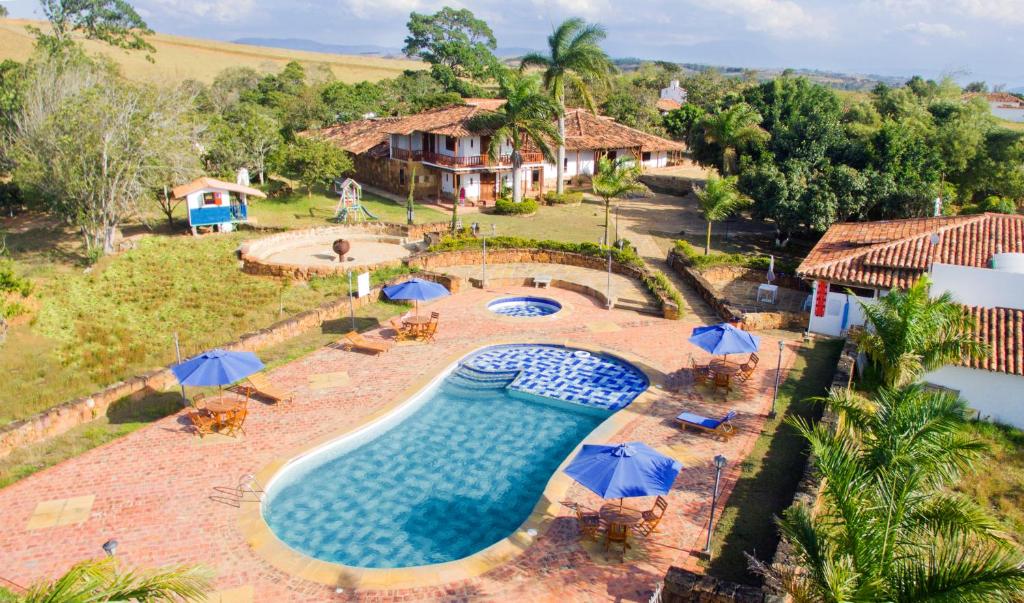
566,198
742,260
506,207
654,280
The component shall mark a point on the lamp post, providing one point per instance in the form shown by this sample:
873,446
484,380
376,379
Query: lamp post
778,374
719,465
483,276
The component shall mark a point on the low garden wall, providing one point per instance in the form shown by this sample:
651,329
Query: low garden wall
704,282
443,259
668,184
60,419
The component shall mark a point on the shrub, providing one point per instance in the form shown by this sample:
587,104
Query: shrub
12,285
657,281
742,260
566,198
506,207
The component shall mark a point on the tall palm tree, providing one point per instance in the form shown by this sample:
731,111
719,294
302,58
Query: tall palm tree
717,199
613,180
100,580
526,118
889,528
730,129
910,332
575,60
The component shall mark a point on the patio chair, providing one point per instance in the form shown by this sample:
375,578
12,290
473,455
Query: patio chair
589,523
747,368
721,427
402,333
430,330
199,401
652,518
354,341
617,533
257,385
237,419
701,373
203,423
722,381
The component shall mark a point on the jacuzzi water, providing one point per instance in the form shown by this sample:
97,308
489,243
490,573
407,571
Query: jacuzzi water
455,469
524,307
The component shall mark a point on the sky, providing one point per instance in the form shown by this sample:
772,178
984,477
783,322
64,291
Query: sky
968,39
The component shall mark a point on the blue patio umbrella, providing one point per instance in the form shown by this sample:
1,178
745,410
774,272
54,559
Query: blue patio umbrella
217,367
417,290
623,470
724,338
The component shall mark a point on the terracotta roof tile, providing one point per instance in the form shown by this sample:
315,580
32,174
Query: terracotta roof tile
356,137
205,182
895,253
1002,329
667,104
585,131
452,120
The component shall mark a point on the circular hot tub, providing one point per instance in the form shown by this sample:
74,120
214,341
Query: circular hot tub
524,307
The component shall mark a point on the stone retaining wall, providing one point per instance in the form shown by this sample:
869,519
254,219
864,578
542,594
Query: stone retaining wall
60,419
684,586
703,281
443,259
668,184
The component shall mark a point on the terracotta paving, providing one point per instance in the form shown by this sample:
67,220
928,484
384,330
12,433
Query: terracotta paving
155,490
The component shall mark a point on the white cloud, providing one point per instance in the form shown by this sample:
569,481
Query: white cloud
994,10
931,30
369,9
779,18
580,8
223,11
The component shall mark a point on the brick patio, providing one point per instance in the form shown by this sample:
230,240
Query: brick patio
154,490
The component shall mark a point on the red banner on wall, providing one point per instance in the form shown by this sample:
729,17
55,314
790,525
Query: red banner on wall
820,296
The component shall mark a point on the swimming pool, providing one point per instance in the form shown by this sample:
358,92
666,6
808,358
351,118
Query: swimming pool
524,307
455,469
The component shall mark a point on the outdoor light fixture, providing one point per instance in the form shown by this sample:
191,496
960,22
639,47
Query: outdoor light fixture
720,462
109,547
778,374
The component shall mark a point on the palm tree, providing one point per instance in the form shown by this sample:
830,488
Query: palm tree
575,61
717,199
909,333
730,129
615,179
526,117
889,528
100,580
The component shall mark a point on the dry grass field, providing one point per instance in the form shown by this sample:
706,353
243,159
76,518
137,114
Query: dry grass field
179,58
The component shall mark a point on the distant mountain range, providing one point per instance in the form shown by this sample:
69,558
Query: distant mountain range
357,49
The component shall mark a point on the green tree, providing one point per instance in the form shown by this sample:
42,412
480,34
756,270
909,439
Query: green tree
3,10
114,22
717,200
680,122
315,161
728,131
454,39
911,332
246,136
526,118
101,580
612,180
91,146
576,61
889,528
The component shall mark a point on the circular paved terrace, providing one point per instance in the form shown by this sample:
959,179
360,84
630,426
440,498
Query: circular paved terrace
156,490
310,252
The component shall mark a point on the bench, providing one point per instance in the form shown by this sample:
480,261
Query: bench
542,281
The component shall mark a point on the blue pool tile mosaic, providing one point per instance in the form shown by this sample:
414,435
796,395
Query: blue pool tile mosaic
561,373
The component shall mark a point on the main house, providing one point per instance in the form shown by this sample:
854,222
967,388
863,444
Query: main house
977,259
451,161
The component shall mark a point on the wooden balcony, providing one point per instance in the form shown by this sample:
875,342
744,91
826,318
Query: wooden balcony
406,154
472,161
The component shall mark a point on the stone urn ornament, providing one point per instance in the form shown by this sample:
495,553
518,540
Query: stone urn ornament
341,247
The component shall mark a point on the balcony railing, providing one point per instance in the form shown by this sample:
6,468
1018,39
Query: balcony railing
479,160
406,154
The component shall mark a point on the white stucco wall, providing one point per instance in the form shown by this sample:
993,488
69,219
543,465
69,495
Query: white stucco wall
470,182
996,396
469,146
1009,114
658,159
447,182
979,286
832,322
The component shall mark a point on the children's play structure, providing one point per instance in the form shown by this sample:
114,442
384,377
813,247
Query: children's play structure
350,202
216,204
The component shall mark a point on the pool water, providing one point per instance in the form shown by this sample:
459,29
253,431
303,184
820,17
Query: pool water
460,472
524,307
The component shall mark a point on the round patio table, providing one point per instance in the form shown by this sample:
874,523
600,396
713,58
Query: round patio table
222,407
723,367
417,321
613,513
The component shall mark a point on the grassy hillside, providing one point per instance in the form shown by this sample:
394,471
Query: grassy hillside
180,58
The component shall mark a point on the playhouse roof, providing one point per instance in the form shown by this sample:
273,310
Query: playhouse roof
200,183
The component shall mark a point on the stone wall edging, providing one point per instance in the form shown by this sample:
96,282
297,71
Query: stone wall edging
442,259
